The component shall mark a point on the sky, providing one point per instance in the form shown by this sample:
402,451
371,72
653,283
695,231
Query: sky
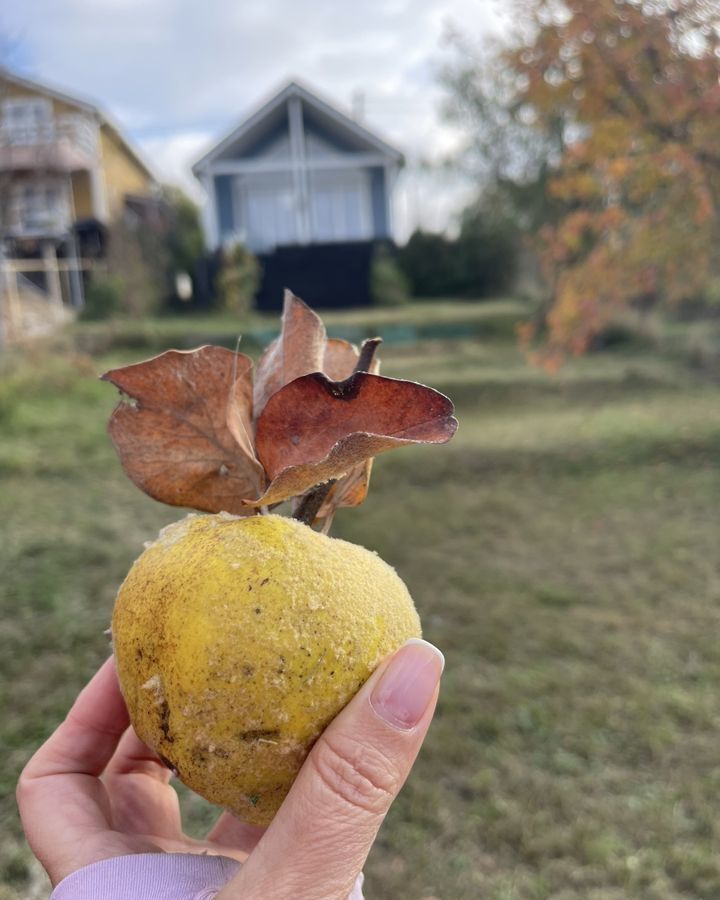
178,74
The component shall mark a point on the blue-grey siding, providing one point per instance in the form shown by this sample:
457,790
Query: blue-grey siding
226,218
381,224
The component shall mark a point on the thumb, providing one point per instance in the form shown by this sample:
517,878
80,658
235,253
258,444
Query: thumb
320,838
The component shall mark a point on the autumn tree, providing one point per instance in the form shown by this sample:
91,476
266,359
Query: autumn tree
610,110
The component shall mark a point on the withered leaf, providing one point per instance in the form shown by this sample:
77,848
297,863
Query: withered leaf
185,439
341,357
315,429
298,350
348,491
239,418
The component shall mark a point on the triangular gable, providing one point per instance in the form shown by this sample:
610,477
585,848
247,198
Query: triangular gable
253,126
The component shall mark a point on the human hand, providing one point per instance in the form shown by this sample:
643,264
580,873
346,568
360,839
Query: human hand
94,791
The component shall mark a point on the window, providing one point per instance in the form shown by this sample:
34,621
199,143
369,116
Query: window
41,207
340,206
265,214
27,121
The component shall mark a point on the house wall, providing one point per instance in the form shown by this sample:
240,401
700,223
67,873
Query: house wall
228,215
82,195
379,200
117,167
225,212
10,91
123,174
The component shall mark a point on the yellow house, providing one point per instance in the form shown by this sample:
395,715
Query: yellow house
63,163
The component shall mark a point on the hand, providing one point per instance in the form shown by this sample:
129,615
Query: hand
94,790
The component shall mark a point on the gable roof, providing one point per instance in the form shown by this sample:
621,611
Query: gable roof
266,109
85,106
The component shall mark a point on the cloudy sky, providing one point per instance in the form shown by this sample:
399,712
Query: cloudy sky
177,74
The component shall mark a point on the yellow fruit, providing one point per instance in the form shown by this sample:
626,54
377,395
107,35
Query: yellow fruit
238,640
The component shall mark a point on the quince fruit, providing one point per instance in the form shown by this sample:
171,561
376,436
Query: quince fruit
238,640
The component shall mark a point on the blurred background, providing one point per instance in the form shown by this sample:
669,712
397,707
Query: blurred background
524,200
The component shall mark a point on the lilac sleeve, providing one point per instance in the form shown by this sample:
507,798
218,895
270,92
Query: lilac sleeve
155,876
149,876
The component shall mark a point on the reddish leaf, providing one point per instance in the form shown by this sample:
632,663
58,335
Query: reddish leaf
239,418
314,429
298,350
185,439
339,359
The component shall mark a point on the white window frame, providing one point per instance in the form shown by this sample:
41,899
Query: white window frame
241,187
29,202
339,178
29,127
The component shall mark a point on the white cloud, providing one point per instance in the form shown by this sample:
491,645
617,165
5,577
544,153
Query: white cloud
172,157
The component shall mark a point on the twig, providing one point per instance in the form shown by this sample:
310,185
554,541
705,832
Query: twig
367,354
312,501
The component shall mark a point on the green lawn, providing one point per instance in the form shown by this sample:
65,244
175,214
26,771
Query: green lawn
562,550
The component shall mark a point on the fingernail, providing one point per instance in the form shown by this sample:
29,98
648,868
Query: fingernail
408,684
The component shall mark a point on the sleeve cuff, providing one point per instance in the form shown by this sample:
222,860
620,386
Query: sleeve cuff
155,876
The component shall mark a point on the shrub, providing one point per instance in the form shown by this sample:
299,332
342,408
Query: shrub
389,285
427,262
481,261
103,297
238,279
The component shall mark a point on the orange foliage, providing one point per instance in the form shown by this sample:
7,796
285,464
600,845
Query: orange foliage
636,87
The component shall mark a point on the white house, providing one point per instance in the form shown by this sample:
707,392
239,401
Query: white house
298,172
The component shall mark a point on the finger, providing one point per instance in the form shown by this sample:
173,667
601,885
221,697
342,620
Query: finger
231,832
60,798
141,798
85,742
133,757
320,838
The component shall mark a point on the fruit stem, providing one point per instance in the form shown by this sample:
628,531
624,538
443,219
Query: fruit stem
312,501
367,353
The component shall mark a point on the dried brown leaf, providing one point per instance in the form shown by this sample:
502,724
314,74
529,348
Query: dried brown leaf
184,438
240,421
351,490
339,359
298,350
315,429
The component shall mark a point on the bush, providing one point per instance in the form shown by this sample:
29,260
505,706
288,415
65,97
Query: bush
481,261
238,279
388,284
487,252
427,263
103,297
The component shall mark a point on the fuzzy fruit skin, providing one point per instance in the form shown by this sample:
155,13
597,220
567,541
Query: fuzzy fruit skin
238,640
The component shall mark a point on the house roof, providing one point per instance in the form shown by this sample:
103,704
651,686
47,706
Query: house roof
83,104
267,108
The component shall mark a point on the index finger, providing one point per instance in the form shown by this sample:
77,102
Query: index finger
85,742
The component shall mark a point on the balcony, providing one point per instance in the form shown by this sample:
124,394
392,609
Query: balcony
66,143
39,209
52,222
